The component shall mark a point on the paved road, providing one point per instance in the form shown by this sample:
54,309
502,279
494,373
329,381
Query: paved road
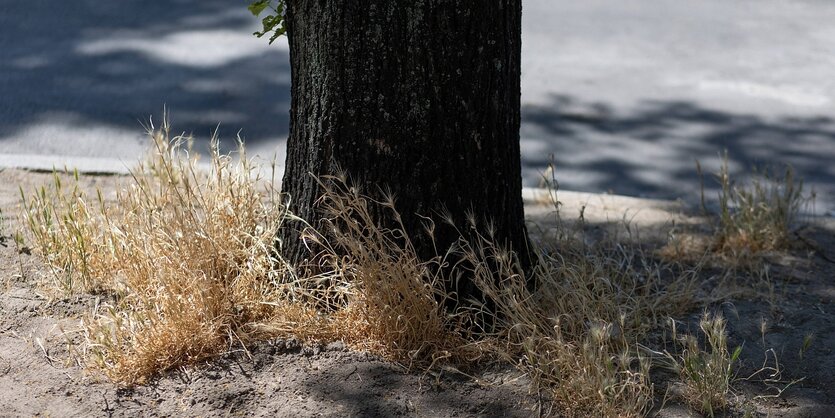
626,95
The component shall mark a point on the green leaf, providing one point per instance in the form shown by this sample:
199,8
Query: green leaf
273,22
736,354
258,6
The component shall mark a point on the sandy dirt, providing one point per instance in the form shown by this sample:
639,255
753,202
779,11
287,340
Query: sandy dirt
38,376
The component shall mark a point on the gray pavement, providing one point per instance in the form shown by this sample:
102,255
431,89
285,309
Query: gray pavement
625,95
81,78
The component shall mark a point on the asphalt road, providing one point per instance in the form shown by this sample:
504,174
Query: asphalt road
625,95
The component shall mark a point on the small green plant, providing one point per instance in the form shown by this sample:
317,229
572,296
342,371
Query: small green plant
707,373
808,339
63,228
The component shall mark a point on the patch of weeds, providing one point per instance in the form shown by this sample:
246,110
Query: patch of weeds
63,227
706,372
757,217
752,221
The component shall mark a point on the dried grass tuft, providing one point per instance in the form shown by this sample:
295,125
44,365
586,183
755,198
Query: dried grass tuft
186,256
756,217
706,373
577,333
385,298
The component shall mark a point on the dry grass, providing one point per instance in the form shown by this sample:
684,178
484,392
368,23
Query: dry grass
186,254
706,373
64,229
756,217
577,334
383,297
753,219
188,258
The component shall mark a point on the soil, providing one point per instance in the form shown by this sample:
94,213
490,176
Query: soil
40,335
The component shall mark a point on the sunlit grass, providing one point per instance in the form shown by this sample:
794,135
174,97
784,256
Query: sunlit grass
188,261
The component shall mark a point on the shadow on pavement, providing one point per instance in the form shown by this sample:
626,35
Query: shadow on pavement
78,79
105,67
651,149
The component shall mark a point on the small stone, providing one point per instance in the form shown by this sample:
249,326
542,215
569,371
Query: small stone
335,346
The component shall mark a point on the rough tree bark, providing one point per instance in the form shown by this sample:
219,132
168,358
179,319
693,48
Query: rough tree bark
420,96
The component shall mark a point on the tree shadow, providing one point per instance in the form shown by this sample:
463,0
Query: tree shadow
106,67
651,149
374,388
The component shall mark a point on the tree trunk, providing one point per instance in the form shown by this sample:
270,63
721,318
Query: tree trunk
420,97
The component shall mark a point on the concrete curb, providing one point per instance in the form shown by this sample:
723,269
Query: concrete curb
534,195
105,166
603,208
85,165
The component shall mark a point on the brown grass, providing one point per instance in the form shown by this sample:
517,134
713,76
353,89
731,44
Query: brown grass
187,256
185,253
756,217
577,333
384,298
